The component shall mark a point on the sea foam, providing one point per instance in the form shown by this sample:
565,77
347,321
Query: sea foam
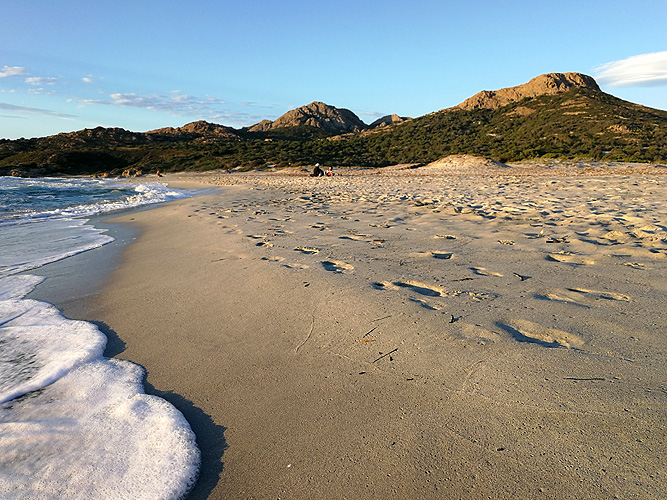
74,424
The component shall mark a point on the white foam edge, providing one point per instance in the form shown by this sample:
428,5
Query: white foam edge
94,433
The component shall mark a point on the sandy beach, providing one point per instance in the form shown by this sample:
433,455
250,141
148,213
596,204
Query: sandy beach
453,331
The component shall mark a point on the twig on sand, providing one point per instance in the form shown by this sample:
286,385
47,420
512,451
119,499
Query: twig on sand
312,326
380,319
385,355
369,332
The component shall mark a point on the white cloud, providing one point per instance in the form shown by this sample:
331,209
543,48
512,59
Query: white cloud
179,104
33,111
641,70
40,80
12,71
87,79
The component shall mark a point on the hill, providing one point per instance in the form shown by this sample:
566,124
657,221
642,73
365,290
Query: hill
579,121
557,115
547,84
198,131
317,115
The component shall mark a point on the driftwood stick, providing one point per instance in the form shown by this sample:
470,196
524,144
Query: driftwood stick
369,332
385,355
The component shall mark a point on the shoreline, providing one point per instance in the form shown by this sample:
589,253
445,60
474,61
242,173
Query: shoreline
344,339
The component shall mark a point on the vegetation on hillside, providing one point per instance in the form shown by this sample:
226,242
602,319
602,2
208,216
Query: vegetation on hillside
578,123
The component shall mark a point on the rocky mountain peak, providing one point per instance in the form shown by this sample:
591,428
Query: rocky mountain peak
316,114
549,83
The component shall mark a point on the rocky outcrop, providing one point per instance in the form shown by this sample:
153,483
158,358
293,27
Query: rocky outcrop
388,120
131,172
316,114
198,129
550,83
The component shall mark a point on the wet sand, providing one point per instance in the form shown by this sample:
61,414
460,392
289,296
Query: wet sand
430,333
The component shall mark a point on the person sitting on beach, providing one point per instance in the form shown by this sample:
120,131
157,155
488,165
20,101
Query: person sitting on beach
330,172
317,171
158,173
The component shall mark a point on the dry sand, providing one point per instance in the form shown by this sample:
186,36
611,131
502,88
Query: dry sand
408,336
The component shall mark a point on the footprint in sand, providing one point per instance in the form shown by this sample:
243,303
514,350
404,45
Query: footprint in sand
274,258
384,285
615,238
582,297
527,331
482,271
337,266
636,265
425,304
595,294
356,237
570,258
307,250
432,254
415,286
296,266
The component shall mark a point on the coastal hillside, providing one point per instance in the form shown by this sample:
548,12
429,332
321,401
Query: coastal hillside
557,115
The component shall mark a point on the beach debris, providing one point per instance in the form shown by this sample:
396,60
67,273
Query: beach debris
506,242
366,340
521,277
386,354
452,319
369,332
562,239
577,379
383,317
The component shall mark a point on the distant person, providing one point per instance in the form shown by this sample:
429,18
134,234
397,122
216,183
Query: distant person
330,172
158,173
317,171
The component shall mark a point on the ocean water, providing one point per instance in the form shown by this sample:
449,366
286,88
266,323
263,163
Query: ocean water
74,424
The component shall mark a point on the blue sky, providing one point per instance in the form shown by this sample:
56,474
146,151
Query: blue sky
67,65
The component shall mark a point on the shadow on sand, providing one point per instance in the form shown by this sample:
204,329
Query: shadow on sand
210,436
210,440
